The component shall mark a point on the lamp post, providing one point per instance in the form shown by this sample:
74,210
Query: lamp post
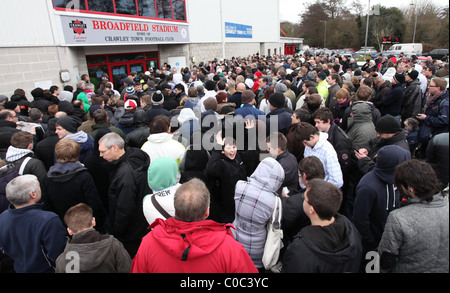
325,33
415,21
367,31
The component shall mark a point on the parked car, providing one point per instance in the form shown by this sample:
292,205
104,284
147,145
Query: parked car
345,52
384,54
368,50
436,53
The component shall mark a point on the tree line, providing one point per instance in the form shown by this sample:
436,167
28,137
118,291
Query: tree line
346,24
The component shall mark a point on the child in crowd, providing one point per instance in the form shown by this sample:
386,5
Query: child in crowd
89,251
412,126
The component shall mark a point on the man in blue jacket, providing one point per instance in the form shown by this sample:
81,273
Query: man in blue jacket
247,107
32,237
377,196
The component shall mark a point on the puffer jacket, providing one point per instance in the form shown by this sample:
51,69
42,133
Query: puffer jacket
418,235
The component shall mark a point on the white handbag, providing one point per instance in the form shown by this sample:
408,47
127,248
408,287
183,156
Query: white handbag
274,240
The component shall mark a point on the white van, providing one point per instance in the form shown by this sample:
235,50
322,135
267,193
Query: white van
413,48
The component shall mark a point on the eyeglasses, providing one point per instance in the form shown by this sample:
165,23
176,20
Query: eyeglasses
102,152
432,85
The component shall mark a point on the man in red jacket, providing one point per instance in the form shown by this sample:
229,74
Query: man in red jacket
188,243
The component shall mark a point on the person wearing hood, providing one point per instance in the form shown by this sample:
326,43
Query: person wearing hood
68,183
363,94
160,142
331,244
189,127
20,153
127,188
66,96
389,74
189,242
138,137
39,100
162,176
361,129
67,127
21,100
377,196
98,253
255,202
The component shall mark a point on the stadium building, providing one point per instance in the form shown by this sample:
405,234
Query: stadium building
54,42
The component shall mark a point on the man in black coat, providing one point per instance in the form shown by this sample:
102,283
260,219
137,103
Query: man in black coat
331,244
277,147
8,120
389,132
381,88
127,189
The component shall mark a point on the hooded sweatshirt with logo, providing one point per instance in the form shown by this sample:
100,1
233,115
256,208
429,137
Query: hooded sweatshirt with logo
376,195
162,176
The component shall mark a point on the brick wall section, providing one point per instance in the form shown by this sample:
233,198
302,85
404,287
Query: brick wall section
21,67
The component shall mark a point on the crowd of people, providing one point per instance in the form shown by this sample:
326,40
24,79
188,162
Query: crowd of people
177,171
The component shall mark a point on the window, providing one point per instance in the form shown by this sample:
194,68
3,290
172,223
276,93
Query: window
164,8
118,66
179,9
126,7
101,5
158,9
147,8
69,4
125,57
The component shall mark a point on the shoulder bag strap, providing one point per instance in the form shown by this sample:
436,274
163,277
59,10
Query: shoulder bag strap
159,207
24,163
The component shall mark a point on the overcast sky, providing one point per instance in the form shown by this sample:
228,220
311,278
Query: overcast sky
289,9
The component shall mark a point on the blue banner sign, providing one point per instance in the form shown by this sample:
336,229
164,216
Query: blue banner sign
236,30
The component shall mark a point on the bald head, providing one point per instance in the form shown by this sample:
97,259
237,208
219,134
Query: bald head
240,87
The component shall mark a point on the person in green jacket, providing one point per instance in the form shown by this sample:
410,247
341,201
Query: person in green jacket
81,88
